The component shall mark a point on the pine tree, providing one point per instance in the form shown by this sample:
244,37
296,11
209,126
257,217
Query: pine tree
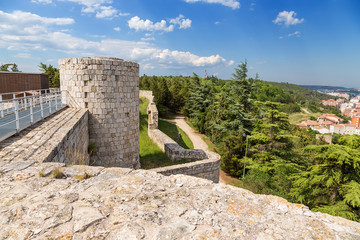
331,183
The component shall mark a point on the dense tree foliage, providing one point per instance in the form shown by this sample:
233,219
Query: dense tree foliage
53,74
248,121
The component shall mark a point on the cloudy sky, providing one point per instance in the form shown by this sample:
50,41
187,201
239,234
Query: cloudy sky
295,41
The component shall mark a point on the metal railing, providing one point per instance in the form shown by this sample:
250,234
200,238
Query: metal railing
18,110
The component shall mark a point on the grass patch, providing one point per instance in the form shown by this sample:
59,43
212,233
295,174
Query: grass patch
172,131
57,174
151,155
299,117
42,173
83,176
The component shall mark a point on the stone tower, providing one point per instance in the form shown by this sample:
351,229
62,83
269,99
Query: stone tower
109,88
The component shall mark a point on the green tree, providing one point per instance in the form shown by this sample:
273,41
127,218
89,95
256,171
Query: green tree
5,67
53,74
331,183
271,156
14,68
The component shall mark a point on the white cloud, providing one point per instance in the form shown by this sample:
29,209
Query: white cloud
234,4
20,17
261,62
117,29
101,8
176,58
296,34
147,25
106,12
181,21
40,34
287,18
217,23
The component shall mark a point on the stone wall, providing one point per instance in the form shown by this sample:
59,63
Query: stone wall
153,119
109,89
73,148
173,150
206,164
207,169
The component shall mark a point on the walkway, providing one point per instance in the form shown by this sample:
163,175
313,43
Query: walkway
198,143
37,142
8,123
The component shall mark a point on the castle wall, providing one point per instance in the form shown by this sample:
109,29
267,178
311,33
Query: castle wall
207,169
109,89
72,149
206,164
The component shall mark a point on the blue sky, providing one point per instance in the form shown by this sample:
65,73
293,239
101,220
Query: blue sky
295,41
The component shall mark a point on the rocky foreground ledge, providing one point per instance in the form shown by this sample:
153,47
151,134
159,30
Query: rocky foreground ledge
115,203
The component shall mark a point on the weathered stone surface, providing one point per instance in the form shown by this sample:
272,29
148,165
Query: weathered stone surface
119,203
109,89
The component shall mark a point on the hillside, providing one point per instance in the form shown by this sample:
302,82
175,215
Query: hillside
300,92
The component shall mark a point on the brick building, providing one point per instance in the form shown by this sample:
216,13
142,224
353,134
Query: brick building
19,81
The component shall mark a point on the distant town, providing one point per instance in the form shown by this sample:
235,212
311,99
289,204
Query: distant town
330,123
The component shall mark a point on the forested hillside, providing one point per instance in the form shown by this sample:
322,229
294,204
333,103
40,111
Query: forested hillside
248,121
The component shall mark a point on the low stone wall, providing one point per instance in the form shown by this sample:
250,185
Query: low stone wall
73,148
208,168
206,164
173,150
153,119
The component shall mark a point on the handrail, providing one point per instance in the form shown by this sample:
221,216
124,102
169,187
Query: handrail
20,112
32,90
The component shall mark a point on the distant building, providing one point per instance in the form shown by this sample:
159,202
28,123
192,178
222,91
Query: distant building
321,130
333,102
343,129
308,124
330,118
356,121
357,131
343,95
19,81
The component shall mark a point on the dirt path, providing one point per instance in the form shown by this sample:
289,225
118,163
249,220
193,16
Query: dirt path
194,136
198,143
305,110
